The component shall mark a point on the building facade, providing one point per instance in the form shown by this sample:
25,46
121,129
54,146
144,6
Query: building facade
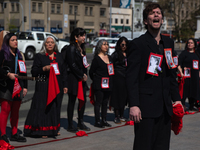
56,16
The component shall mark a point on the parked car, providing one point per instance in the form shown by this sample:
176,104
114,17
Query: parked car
111,41
30,42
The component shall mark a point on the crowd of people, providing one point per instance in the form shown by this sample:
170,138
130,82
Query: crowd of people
141,73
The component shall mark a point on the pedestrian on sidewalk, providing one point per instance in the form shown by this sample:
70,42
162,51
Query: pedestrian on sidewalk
151,91
189,68
76,63
11,96
101,72
119,93
43,119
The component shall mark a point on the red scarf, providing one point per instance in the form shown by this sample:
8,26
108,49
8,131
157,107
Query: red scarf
91,95
53,87
80,94
181,84
16,89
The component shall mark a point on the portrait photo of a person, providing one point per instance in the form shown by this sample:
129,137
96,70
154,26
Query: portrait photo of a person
195,64
153,63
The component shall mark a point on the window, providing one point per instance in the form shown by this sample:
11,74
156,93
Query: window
170,22
52,8
91,11
182,13
34,7
58,8
40,36
70,9
2,7
116,21
86,11
186,13
39,7
127,21
102,11
75,9
12,7
17,7
122,21
191,4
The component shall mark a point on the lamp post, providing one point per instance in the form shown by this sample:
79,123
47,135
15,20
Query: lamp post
63,17
22,12
133,5
75,19
29,15
110,17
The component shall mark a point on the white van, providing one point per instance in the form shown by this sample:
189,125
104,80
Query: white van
129,34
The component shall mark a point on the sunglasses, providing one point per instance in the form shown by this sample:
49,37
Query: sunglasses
123,45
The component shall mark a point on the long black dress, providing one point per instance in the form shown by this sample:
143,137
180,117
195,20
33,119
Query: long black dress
42,120
191,85
119,91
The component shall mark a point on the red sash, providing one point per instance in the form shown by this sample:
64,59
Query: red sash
16,89
80,94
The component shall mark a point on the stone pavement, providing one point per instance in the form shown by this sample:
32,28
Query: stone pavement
118,137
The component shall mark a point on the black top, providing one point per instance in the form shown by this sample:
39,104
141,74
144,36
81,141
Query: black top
99,70
150,93
75,68
42,60
119,65
6,92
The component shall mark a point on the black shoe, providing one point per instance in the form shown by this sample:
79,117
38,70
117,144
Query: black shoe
17,138
193,108
105,123
117,120
122,119
72,129
5,138
82,126
98,124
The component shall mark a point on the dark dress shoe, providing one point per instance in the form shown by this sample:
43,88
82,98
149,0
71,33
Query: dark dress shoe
5,138
98,124
82,126
72,129
17,138
104,123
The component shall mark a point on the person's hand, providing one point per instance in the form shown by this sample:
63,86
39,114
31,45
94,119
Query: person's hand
12,75
84,78
24,92
46,68
178,102
135,114
65,90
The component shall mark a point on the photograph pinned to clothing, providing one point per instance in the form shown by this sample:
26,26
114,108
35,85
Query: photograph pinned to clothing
22,66
56,69
195,64
168,57
155,61
85,63
105,83
175,59
110,69
187,72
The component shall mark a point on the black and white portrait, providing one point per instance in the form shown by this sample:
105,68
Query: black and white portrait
154,62
175,59
195,64
169,60
187,72
105,83
110,69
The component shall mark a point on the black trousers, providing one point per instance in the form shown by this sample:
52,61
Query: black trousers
153,133
70,108
101,101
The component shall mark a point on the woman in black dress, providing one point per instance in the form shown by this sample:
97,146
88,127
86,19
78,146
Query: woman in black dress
189,68
119,92
44,120
77,76
10,58
101,72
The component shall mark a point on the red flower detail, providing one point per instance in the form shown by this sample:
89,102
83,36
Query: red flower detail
54,61
54,57
171,64
47,54
54,53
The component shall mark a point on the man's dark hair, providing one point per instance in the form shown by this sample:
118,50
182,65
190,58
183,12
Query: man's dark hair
150,8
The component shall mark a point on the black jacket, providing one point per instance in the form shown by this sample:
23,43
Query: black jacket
150,93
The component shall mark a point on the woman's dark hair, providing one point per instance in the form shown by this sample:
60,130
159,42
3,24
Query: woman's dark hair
76,32
195,43
150,7
118,49
98,47
6,47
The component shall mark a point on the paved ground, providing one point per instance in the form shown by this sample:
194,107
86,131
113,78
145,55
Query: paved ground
118,137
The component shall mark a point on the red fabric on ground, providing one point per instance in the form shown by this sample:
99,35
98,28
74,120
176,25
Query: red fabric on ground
176,118
80,94
53,87
130,123
5,146
81,133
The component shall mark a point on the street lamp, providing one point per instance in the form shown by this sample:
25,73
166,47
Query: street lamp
110,16
75,19
22,12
